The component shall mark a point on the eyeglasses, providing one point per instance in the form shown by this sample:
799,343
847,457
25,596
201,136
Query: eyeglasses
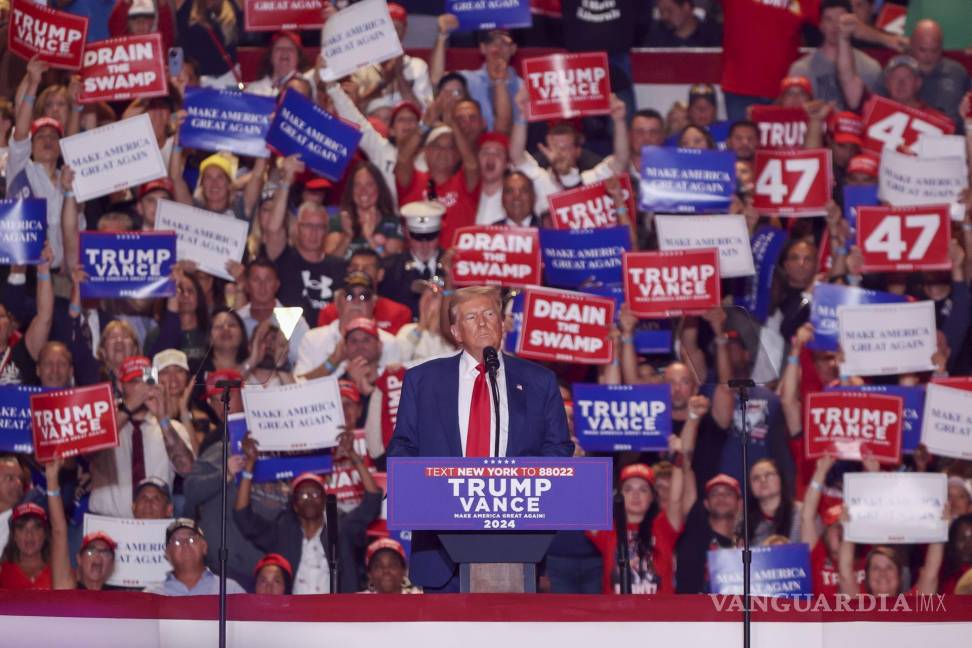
363,296
310,495
765,476
190,540
91,552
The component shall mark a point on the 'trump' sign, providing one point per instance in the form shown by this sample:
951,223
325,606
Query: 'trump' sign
671,283
611,418
589,206
55,36
853,425
71,421
567,85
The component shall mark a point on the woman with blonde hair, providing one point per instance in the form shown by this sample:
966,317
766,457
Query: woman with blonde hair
209,31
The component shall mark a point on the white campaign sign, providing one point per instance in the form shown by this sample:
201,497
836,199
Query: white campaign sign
908,180
360,35
208,239
140,556
302,416
946,427
882,339
728,232
113,157
896,508
940,146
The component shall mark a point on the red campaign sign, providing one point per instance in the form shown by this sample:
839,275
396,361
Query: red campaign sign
671,283
895,239
344,481
563,326
119,69
73,421
892,18
273,15
496,255
890,124
589,206
57,36
567,85
780,128
853,424
390,385
793,183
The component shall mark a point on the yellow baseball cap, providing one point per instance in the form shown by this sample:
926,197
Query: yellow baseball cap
227,162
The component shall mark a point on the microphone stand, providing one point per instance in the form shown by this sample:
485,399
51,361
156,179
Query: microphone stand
331,522
741,386
491,360
623,552
226,386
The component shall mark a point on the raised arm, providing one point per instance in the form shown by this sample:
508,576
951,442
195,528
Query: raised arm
61,575
254,186
447,24
177,449
850,81
405,164
845,565
790,381
40,327
275,234
498,70
467,153
928,576
518,133
25,108
676,494
811,501
621,159
346,449
177,165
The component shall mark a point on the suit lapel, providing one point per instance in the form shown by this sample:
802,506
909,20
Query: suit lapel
516,396
449,407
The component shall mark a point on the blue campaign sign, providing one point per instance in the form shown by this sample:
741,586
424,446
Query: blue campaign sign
325,143
516,314
268,469
753,292
858,196
913,399
779,570
23,230
612,418
490,14
15,429
501,493
823,310
223,120
686,181
575,257
651,336
128,264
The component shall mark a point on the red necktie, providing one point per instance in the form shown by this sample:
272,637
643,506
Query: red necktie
138,455
477,436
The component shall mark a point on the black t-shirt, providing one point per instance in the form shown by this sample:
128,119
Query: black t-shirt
308,285
698,537
602,25
708,448
707,34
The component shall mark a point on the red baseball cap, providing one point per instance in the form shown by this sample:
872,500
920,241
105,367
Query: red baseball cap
44,122
133,367
350,390
363,323
305,477
864,164
274,559
801,82
846,128
397,12
27,509
498,138
723,479
639,470
379,125
162,184
214,377
292,36
381,544
318,184
832,514
405,105
99,535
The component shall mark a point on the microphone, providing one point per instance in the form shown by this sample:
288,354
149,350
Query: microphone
491,360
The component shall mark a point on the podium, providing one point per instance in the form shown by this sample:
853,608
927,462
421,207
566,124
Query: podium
496,517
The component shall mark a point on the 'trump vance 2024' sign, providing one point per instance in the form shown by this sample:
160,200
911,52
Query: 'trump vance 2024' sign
524,494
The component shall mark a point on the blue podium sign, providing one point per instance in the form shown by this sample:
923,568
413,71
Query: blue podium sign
499,493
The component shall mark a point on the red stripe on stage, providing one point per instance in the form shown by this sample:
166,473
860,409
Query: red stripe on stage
489,608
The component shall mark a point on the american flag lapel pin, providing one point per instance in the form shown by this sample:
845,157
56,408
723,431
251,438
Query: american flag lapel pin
519,386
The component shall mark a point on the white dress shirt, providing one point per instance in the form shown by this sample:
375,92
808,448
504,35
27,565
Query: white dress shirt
318,343
467,378
312,575
296,335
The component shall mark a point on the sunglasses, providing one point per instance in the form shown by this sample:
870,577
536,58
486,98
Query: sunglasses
363,296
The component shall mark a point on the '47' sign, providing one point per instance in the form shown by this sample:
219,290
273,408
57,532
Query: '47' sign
903,238
890,124
793,183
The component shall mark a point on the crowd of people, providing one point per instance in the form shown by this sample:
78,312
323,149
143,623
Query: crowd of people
367,259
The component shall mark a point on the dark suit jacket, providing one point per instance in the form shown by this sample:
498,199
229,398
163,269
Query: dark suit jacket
428,426
399,276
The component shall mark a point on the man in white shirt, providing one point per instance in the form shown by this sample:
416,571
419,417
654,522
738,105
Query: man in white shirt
262,284
185,549
150,444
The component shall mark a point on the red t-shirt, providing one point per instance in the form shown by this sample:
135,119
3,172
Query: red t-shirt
826,574
389,315
12,577
948,586
460,203
650,575
761,38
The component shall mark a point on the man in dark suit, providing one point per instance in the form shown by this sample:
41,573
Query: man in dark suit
422,258
446,410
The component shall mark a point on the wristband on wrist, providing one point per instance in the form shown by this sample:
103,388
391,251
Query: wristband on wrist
74,309
165,422
844,377
721,339
627,339
329,366
448,293
246,474
839,251
54,493
815,485
68,194
693,416
967,227
792,360
615,363
77,109
43,276
30,99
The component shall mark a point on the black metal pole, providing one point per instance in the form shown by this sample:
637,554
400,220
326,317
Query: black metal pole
623,553
742,386
226,386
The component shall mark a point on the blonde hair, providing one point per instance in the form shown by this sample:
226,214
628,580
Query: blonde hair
125,327
464,295
225,19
